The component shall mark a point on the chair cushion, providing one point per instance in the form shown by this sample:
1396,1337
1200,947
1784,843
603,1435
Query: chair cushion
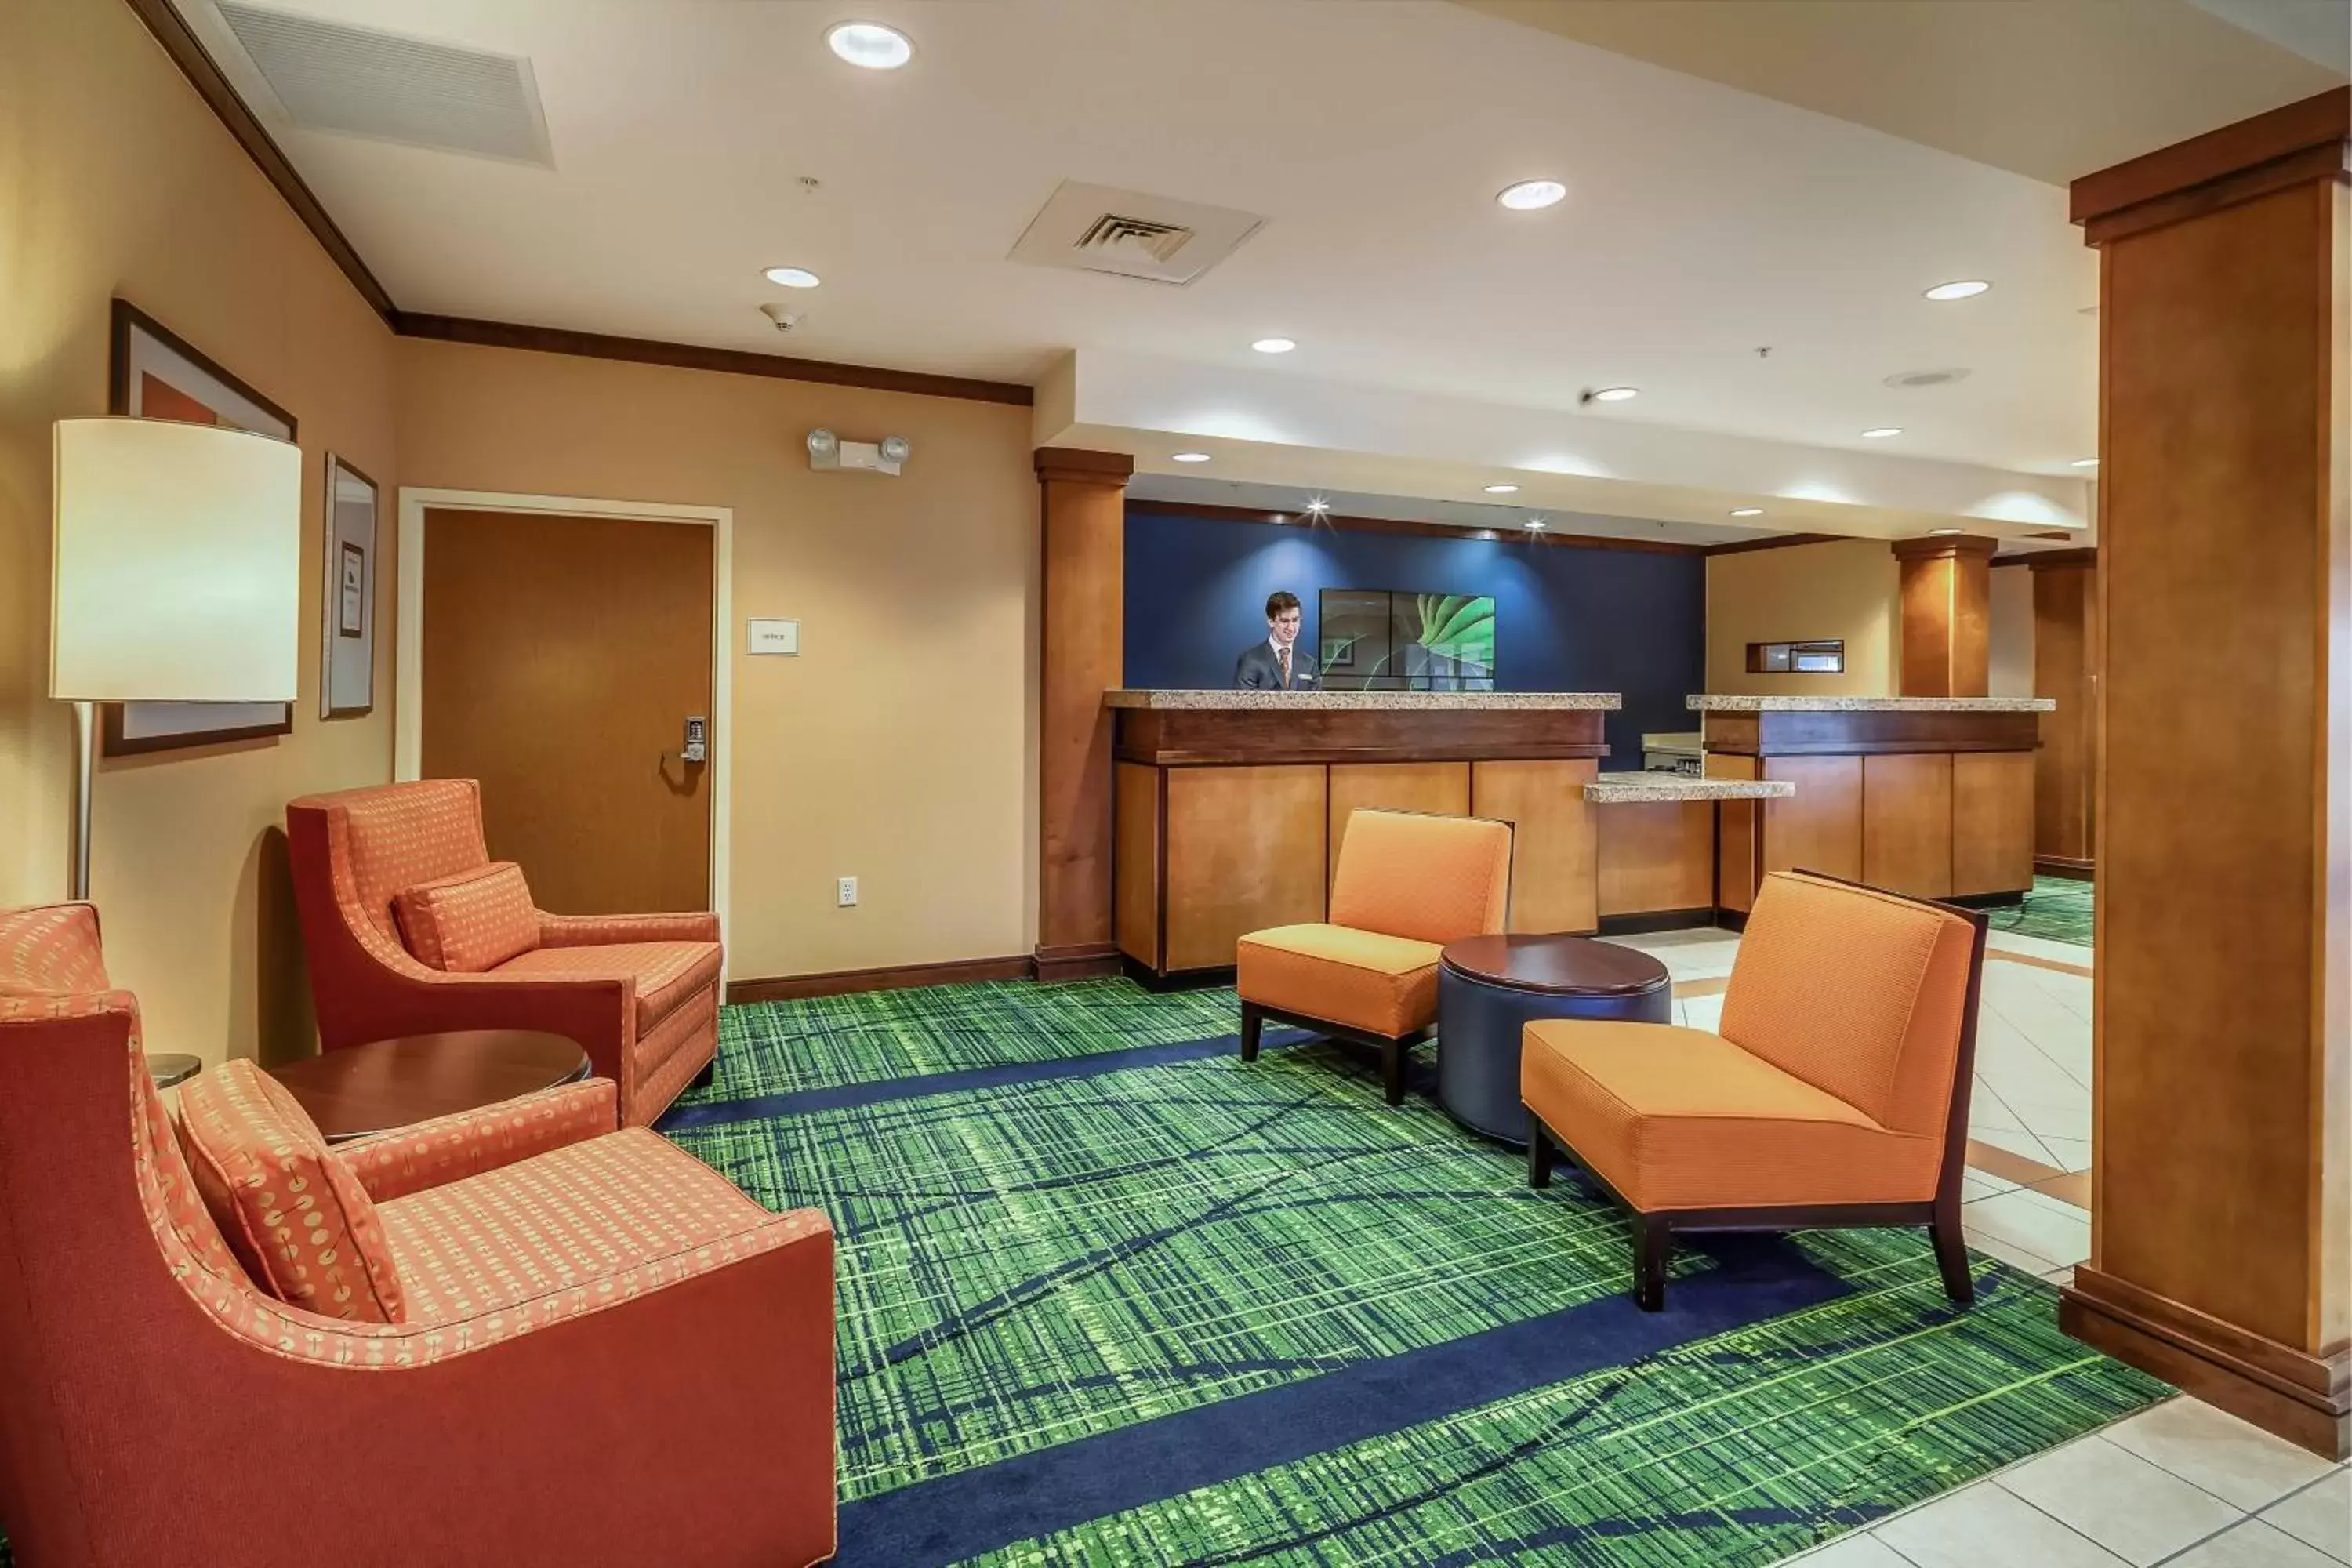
1428,878
571,1218
666,972
1682,1119
1381,985
1860,992
471,922
300,1223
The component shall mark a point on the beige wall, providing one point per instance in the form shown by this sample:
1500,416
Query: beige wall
1848,588
116,179
899,747
2010,632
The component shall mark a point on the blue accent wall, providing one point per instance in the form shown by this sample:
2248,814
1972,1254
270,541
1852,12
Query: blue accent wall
1566,620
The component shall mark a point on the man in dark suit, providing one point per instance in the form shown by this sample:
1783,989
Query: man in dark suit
1277,664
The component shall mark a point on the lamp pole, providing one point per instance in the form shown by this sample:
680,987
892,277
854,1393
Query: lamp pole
85,750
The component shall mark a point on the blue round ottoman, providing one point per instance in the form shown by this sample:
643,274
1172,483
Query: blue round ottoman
1489,988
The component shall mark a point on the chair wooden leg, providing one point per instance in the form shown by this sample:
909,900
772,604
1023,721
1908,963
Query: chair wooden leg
1253,1022
1392,1071
1538,1153
1654,1244
1952,1250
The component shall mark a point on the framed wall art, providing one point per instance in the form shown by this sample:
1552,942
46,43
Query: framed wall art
153,374
347,657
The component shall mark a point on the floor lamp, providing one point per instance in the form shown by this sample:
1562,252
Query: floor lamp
177,575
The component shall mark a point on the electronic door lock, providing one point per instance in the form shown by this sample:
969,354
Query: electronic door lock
697,739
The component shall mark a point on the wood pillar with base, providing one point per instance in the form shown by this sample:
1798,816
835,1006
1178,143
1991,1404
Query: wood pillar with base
2065,670
1082,498
1947,642
2222,1088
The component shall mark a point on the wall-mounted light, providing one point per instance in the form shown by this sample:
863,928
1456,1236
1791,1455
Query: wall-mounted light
828,451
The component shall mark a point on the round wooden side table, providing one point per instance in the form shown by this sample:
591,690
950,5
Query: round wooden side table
1490,987
391,1084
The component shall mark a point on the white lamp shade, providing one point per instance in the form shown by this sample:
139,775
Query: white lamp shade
178,564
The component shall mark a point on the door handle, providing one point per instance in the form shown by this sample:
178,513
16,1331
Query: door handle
695,747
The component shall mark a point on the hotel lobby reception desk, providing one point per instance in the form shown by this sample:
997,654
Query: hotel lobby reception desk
1928,795
1229,807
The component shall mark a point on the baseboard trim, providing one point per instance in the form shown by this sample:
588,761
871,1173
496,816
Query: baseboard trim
2304,1398
1656,919
1075,961
2061,865
895,977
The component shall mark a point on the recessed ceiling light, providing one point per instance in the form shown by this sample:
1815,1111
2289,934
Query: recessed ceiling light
1530,194
1747,512
1942,532
1881,432
1317,505
870,45
793,276
1535,522
2083,463
1963,289
1191,457
1616,394
1273,345
1502,489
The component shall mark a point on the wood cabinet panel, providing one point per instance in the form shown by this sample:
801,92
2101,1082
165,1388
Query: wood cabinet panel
1554,852
1992,823
1135,841
2065,624
1739,835
1820,827
1440,787
1245,851
1655,856
1906,824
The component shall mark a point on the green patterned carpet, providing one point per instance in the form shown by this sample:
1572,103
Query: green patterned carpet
2058,908
1110,1296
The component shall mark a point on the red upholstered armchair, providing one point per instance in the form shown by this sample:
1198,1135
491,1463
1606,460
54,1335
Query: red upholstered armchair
640,992
604,1353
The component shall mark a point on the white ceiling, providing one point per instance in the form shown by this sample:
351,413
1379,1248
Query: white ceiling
1703,224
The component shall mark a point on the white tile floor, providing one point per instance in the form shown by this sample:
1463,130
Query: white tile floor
2182,1484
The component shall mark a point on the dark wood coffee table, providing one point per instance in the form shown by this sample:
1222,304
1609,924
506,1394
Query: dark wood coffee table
391,1084
1489,988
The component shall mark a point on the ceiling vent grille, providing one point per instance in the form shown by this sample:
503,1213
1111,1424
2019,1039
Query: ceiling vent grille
1911,380
359,81
1094,229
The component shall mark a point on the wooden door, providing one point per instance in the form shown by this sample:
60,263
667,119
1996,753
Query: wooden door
562,657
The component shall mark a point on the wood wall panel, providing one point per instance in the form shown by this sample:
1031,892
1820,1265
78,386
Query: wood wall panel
1082,632
1137,875
2221,1224
1947,604
1245,851
2066,670
1992,823
1906,824
1739,836
1655,856
1820,827
1554,855
1443,788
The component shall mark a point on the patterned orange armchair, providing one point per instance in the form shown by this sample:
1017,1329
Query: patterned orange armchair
411,929
518,1335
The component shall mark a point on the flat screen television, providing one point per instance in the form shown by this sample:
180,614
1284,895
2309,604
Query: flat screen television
1380,639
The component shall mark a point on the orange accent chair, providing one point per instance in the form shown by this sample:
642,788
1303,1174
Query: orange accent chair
640,992
516,1335
1836,1094
1407,884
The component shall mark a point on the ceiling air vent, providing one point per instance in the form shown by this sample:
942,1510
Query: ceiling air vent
361,81
1913,379
1096,228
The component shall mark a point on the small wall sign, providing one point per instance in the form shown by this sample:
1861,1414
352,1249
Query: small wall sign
768,635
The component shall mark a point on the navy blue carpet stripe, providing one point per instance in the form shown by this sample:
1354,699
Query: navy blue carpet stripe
997,1076
971,1512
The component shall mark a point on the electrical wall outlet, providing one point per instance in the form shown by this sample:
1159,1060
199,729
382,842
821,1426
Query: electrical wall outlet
846,897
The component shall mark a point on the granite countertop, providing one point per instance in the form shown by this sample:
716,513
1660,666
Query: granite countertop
1634,789
1729,704
1409,700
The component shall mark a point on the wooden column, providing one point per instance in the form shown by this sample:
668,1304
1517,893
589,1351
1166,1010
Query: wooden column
1946,615
2222,1216
2066,670
1082,653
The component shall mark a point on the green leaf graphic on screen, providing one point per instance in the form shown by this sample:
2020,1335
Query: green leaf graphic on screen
1459,626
